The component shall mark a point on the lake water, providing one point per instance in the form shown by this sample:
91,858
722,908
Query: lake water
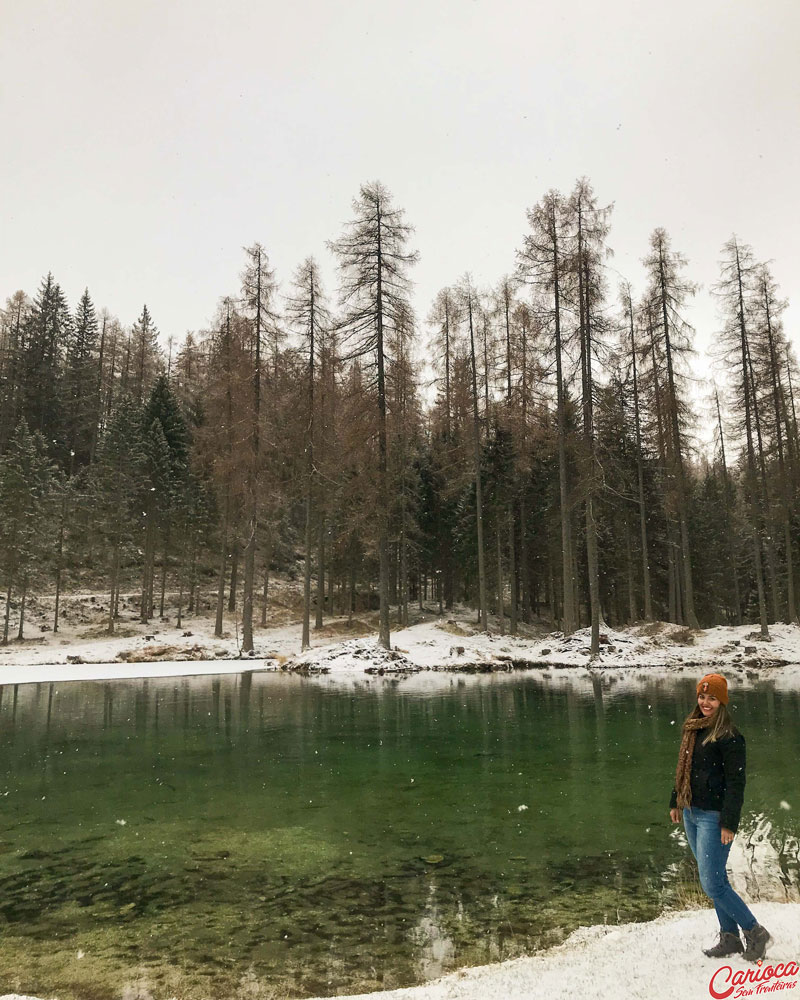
264,835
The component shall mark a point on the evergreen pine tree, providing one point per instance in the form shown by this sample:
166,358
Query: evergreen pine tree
115,486
81,383
166,451
145,357
25,473
46,338
12,323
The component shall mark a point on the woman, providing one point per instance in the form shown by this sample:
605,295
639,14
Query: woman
709,790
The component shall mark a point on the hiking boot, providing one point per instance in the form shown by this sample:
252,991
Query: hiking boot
728,944
756,941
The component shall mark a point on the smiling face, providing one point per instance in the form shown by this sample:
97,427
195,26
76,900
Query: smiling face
708,703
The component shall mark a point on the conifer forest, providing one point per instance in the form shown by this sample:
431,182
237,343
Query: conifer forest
530,449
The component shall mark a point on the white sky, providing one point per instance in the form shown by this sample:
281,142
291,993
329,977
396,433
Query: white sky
144,143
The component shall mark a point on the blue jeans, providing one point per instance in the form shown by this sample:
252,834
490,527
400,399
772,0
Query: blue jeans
703,832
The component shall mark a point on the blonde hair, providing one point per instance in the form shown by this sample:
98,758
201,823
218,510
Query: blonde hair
721,726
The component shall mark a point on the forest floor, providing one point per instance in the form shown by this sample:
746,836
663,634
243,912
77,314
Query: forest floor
346,647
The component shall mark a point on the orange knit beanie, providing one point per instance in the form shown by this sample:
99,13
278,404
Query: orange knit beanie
714,684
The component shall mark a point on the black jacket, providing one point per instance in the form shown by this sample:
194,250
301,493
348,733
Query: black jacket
718,777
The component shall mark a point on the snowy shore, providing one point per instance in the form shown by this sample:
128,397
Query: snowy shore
658,960
348,650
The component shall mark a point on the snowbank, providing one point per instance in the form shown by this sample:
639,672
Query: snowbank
658,960
435,645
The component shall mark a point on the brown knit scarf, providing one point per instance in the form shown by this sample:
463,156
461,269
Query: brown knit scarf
683,772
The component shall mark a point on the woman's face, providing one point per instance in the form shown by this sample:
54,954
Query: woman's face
708,703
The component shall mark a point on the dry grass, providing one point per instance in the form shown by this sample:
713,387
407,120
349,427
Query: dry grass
101,632
651,628
688,895
684,636
341,626
453,628
152,654
667,633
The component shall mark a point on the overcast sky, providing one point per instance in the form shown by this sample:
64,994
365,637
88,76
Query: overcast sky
144,143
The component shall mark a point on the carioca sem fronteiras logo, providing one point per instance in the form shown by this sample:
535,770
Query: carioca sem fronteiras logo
726,983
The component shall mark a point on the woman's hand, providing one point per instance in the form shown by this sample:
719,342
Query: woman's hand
675,816
726,836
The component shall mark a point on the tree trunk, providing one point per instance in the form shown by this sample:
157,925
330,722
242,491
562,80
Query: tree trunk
500,608
576,596
320,572
672,603
8,611
588,435
144,613
252,474
151,580
179,568
523,563
726,486
305,641
751,461
193,604
569,618
352,591
234,576
223,559
383,486
647,593
60,554
164,569
766,498
688,586
116,592
265,595
403,617
482,602
114,585
791,607
20,631
249,583
555,610
632,611
512,570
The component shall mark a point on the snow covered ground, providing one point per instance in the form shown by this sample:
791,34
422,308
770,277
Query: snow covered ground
82,649
454,645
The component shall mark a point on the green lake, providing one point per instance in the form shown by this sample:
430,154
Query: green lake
264,835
